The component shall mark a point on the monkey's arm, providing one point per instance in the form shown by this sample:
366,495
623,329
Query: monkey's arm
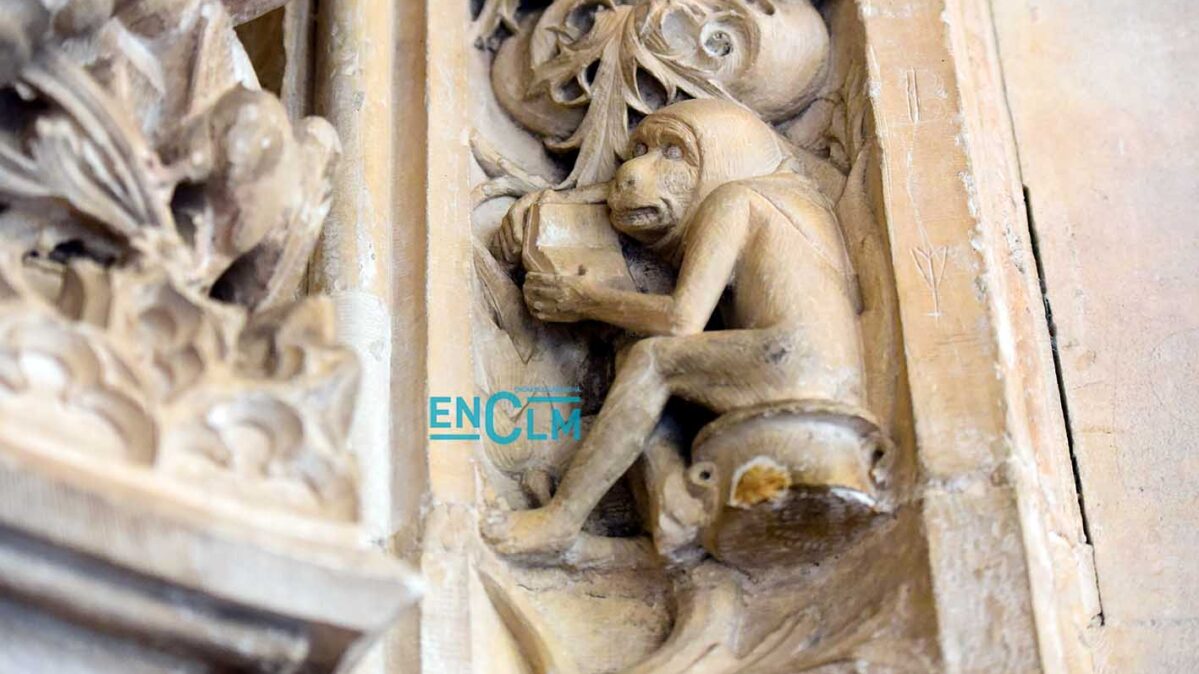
713,242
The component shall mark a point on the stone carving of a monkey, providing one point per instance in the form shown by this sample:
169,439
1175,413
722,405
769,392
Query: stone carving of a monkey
714,191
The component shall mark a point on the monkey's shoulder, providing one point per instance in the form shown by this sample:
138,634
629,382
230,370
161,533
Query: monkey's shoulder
790,215
786,191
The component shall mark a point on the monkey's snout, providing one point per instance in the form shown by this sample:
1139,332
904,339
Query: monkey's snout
637,217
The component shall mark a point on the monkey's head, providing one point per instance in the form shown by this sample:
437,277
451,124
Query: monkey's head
681,153
654,190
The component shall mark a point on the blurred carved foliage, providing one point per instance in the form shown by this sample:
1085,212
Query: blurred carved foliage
157,212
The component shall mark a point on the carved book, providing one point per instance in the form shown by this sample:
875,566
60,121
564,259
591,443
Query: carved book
575,239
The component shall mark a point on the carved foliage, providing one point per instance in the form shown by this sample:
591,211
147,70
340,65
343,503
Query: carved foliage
641,62
493,15
618,61
147,289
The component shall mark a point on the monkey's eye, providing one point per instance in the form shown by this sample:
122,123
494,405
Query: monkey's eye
673,152
639,149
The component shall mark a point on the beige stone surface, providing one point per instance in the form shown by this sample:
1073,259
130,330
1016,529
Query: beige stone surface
1104,106
876,139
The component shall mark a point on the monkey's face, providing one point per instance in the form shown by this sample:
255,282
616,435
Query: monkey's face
653,191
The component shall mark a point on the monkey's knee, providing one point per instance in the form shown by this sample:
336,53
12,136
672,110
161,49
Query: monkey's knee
639,371
640,357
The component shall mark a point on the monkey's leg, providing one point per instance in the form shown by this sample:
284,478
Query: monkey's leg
725,370
722,370
673,515
628,417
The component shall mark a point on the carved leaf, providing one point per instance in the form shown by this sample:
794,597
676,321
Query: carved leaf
92,153
604,131
505,178
64,388
71,169
179,338
18,174
615,57
263,444
496,13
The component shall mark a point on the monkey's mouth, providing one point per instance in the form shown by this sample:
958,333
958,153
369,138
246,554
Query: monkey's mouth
638,217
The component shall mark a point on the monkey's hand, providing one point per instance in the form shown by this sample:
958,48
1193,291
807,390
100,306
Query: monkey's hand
509,240
508,243
559,299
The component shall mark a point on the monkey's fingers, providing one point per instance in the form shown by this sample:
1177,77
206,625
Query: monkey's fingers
552,315
545,285
517,220
510,248
542,300
540,279
542,310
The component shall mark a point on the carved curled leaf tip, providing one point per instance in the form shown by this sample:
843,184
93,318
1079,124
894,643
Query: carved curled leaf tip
611,65
494,15
506,179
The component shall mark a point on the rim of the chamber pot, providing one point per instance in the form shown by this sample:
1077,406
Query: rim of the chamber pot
862,420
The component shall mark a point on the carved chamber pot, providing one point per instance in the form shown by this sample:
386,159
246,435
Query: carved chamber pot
787,483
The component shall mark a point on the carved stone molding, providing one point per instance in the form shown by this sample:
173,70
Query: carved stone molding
109,570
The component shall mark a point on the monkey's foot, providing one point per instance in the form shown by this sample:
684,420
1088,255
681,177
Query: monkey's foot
541,532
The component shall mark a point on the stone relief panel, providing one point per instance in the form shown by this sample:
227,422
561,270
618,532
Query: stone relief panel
680,238
157,214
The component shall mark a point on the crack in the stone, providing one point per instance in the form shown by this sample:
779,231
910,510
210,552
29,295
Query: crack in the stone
1034,243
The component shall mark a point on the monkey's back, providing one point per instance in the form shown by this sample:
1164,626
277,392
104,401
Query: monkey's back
794,276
